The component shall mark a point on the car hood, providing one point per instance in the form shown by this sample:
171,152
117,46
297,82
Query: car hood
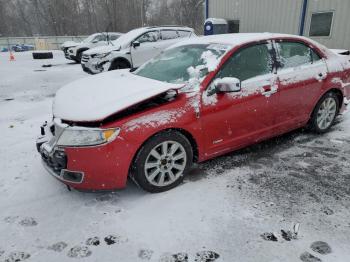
69,44
97,97
102,49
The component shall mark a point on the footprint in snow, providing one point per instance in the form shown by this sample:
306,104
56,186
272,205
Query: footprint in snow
307,257
58,247
145,254
93,241
79,252
113,239
321,247
206,256
28,222
179,257
17,256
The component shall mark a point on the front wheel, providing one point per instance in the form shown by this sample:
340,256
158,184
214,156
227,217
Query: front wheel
162,162
325,113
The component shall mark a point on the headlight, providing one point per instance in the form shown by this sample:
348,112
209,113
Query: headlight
87,137
102,55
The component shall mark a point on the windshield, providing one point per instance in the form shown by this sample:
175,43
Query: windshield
89,38
181,64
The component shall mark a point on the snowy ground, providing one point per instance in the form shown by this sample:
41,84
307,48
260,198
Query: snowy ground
224,205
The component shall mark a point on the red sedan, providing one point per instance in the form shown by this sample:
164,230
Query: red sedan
197,100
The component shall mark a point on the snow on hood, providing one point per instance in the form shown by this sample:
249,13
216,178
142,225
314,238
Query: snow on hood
96,97
102,49
69,44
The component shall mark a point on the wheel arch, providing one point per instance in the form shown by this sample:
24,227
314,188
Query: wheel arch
122,59
185,133
334,90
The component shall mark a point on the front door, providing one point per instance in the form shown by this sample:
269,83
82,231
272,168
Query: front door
149,48
232,120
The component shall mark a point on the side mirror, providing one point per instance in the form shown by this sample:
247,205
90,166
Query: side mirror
136,44
227,85
94,41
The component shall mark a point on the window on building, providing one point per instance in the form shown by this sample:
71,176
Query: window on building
169,34
321,24
294,54
250,62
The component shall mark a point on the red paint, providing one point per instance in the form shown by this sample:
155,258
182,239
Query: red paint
229,124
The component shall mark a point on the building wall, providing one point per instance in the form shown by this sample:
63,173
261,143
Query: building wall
283,16
340,35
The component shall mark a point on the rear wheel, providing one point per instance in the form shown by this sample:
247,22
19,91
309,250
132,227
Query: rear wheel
325,113
162,162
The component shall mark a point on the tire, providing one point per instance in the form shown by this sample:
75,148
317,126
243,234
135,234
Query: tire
42,55
325,113
157,172
119,64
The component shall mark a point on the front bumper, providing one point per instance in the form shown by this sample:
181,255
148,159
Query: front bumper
93,168
93,65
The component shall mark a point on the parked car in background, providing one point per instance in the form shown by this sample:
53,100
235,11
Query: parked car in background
134,48
199,99
74,51
22,48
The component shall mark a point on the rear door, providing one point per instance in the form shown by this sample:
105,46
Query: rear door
149,48
232,120
301,76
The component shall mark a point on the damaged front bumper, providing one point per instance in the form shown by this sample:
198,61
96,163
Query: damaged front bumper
87,168
54,159
93,65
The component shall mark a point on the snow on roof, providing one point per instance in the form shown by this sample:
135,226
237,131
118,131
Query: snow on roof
216,21
243,38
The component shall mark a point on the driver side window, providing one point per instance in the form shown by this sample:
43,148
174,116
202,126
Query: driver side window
148,37
247,63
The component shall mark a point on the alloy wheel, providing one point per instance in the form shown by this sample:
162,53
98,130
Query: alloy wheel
326,113
165,163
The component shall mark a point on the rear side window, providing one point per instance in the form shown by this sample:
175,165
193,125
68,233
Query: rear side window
169,34
294,54
250,62
184,34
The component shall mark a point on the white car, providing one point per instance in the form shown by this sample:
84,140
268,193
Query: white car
73,51
133,48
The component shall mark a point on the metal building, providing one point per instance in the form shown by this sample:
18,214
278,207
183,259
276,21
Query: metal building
326,21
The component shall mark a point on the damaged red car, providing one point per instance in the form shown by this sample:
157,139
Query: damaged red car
199,99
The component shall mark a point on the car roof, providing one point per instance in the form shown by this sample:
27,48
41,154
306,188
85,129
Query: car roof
245,38
174,27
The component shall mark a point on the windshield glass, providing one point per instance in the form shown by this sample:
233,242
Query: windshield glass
183,63
89,38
